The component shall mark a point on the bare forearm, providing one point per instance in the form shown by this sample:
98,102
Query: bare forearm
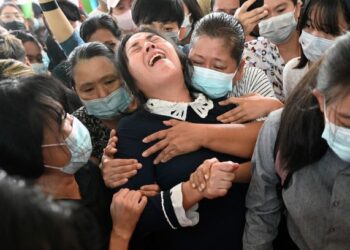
271,104
58,23
234,139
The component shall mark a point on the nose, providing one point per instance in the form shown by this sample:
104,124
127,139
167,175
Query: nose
149,46
101,92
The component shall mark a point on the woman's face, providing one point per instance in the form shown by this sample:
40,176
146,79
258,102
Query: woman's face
337,112
59,155
212,53
10,14
122,6
33,52
106,37
311,29
95,78
152,61
279,7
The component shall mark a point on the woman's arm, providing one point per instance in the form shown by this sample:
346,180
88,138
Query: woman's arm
262,201
184,137
59,25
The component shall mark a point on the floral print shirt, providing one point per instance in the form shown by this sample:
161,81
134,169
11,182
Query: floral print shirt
263,54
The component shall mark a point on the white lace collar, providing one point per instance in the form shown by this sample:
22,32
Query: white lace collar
178,110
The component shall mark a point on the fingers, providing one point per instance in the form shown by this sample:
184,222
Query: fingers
150,190
155,148
166,154
155,136
245,6
171,122
231,100
232,116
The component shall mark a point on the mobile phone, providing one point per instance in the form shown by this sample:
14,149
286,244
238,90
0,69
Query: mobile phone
257,4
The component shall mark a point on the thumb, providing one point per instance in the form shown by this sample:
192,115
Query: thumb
112,133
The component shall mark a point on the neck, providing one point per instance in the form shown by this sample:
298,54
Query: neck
291,48
59,184
175,91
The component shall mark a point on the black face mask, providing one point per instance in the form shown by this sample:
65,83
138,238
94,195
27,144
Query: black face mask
14,25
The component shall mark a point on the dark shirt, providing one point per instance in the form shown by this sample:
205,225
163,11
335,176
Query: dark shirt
221,220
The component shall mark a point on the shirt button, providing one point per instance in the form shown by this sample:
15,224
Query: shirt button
331,230
336,204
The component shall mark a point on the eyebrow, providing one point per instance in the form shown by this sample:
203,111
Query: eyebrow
137,43
347,116
84,84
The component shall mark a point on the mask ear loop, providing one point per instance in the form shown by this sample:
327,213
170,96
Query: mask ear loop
53,145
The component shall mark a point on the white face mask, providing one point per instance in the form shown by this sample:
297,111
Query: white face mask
187,25
79,145
125,21
313,46
278,29
337,137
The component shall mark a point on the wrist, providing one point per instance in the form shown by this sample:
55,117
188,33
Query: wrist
120,234
203,134
191,196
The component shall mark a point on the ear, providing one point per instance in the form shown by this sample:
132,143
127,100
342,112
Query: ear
320,98
82,18
240,72
298,9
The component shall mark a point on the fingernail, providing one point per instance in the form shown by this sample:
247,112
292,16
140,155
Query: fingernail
139,165
193,185
202,186
206,177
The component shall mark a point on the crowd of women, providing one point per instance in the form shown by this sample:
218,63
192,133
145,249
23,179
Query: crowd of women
164,124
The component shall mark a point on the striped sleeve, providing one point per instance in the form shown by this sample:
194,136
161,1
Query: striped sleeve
255,81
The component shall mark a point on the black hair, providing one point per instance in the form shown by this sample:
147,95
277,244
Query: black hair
223,26
327,14
145,12
87,51
25,208
299,138
71,11
195,10
25,37
94,23
123,61
26,104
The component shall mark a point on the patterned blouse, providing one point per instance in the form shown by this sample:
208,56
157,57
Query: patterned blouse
263,54
98,131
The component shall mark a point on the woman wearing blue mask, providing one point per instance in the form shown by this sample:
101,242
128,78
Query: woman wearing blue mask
278,41
305,149
98,84
319,27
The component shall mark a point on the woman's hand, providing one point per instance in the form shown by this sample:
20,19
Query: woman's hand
181,138
214,178
126,208
249,107
150,190
249,19
116,172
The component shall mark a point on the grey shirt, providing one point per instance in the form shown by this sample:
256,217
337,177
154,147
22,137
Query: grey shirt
317,199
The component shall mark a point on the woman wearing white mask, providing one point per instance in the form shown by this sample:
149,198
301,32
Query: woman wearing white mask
41,142
278,42
97,82
306,149
321,22
121,11
193,14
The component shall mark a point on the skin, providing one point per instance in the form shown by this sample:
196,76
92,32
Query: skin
106,37
162,27
228,7
9,14
33,52
122,7
169,84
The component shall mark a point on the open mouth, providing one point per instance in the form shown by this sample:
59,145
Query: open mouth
155,59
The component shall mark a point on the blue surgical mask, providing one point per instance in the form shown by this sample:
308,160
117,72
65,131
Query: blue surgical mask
109,107
338,138
313,46
39,68
213,83
278,29
79,145
172,35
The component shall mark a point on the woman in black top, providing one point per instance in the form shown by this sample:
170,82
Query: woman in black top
159,77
